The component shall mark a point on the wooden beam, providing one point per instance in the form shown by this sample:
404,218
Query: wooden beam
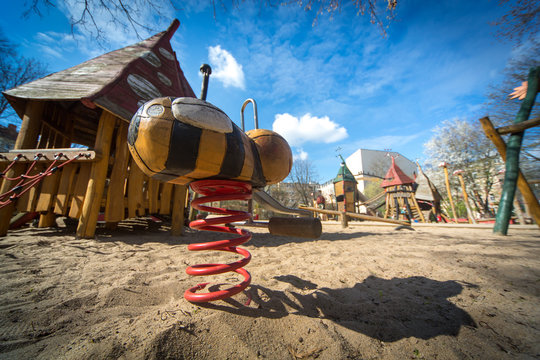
523,185
522,126
96,184
49,155
355,215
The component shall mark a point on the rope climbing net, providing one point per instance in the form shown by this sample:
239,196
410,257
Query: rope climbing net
25,181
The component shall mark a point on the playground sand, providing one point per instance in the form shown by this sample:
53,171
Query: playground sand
366,292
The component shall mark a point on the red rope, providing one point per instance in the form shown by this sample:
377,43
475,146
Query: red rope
22,187
36,158
10,165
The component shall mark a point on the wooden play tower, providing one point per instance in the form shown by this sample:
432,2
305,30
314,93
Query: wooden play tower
86,110
345,188
400,200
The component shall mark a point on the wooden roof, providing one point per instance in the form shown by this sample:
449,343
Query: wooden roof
426,190
344,174
119,81
395,176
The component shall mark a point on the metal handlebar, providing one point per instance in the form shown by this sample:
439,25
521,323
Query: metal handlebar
256,117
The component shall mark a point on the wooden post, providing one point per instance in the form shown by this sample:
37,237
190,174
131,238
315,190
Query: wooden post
513,147
192,211
524,187
114,206
26,139
45,205
465,197
165,199
135,193
7,211
79,190
47,220
387,207
96,184
178,207
344,219
448,189
64,189
153,196
31,123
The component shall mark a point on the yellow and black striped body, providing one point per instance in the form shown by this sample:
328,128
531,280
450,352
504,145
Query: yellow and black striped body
186,139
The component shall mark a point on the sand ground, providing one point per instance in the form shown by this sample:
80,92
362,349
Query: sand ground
366,292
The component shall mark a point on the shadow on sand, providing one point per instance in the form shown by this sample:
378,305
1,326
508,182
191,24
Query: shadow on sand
388,310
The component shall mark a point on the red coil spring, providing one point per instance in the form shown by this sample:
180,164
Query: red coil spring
219,190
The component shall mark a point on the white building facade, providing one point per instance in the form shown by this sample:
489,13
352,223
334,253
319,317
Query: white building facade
364,162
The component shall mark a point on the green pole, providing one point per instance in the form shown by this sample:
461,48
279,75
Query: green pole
512,156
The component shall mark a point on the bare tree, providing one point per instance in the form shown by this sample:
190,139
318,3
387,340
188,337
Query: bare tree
520,26
303,178
372,8
522,21
93,16
133,15
15,70
502,110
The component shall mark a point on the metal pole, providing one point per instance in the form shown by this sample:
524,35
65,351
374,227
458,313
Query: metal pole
206,70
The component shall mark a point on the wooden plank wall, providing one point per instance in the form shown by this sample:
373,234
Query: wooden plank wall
128,191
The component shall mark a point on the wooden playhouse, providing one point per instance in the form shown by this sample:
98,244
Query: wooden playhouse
84,112
400,199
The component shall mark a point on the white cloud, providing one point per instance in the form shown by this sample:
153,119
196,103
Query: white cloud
300,155
47,50
44,37
225,68
308,129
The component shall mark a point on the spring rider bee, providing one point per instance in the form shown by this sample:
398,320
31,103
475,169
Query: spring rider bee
190,141
187,139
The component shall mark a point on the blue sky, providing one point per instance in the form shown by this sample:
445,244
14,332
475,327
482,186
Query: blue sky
338,84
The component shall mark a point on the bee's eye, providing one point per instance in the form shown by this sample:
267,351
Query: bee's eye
155,110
